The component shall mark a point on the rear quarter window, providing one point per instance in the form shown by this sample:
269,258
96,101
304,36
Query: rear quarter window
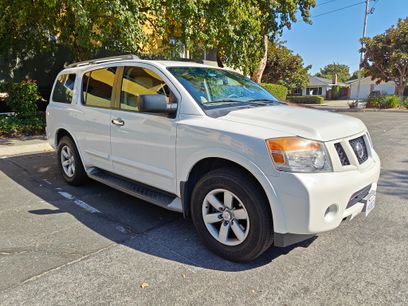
64,88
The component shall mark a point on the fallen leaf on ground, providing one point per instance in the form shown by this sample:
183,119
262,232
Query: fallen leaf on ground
144,285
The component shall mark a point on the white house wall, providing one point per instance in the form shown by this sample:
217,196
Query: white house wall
385,88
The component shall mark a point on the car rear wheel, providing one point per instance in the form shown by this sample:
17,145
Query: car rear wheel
232,215
70,163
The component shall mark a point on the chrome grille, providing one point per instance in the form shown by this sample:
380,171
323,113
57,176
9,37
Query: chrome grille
360,149
342,154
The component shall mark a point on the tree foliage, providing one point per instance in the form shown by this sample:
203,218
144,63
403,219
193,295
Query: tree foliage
237,29
354,75
386,56
85,27
285,68
342,71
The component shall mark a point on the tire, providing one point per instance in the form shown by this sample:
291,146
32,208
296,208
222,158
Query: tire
245,221
73,171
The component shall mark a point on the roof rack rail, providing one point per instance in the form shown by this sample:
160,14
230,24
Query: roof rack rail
104,60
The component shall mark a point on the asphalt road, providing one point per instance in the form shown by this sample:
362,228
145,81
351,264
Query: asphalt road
64,245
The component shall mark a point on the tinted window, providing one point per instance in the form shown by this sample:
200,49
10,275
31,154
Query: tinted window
64,88
140,81
97,87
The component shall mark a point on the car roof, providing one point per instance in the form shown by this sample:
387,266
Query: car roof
84,66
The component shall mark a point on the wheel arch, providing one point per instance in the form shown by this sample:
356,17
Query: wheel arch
61,132
204,165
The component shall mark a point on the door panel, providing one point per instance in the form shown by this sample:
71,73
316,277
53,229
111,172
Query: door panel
143,147
94,128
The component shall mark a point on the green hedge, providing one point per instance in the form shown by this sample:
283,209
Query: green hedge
390,101
306,99
15,126
278,91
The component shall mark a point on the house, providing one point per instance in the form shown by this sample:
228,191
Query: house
369,86
318,86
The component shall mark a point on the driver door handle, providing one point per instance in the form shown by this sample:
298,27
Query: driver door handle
118,122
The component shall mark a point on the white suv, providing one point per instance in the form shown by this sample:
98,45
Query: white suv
210,143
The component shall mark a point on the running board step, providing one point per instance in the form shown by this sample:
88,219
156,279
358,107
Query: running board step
137,190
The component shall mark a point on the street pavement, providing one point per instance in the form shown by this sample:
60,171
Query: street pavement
64,245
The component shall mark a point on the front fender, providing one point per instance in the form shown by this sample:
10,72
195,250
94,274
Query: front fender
190,161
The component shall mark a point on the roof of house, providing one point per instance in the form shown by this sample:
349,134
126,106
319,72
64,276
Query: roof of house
367,80
318,81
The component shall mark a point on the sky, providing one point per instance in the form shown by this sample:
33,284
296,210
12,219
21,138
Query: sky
334,37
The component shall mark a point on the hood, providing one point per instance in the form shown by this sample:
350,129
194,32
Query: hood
299,121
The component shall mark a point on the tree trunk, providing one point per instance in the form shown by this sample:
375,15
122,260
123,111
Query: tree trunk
219,60
399,90
257,75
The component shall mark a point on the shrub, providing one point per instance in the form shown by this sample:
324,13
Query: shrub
278,91
306,99
22,98
406,102
390,101
13,125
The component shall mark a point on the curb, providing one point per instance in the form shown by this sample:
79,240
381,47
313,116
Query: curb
20,149
358,110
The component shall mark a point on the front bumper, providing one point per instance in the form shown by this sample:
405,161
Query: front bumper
318,202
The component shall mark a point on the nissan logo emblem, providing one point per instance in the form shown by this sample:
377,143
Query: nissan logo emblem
359,150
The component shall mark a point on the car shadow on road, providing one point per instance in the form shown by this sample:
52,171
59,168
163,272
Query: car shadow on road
120,218
394,182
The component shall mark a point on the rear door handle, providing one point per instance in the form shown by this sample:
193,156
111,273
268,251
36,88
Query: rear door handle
118,122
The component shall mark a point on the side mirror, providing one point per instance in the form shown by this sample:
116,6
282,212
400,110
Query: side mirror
156,104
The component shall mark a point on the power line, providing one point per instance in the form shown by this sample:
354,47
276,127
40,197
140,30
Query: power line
339,9
373,7
320,4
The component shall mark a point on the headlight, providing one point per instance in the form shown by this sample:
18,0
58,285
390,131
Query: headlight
295,154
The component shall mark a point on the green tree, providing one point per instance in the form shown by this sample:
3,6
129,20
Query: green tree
285,68
386,56
238,30
354,75
85,27
342,71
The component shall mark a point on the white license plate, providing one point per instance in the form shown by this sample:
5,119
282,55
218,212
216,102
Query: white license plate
369,203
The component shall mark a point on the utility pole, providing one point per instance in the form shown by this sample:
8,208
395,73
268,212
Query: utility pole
361,52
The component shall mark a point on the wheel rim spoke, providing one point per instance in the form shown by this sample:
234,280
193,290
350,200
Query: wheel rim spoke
223,212
239,233
223,234
228,198
215,203
64,153
67,161
212,218
70,171
240,214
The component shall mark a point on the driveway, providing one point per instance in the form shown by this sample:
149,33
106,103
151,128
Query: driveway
64,245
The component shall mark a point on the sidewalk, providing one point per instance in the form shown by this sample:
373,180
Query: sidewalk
14,146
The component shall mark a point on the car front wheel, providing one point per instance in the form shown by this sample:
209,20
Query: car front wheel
232,215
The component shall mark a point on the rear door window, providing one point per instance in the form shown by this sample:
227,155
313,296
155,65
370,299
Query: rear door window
97,87
64,88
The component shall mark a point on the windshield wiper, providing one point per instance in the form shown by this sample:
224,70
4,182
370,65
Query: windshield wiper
223,101
262,101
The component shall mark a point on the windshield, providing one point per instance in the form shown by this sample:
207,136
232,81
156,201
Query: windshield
214,88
